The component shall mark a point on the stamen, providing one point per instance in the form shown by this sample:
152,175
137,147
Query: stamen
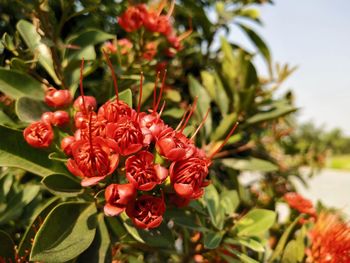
193,108
81,84
161,7
155,91
225,141
161,91
171,9
162,108
201,124
140,95
182,119
115,83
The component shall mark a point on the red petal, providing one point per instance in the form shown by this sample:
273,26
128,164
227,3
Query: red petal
88,181
73,168
111,210
161,172
184,190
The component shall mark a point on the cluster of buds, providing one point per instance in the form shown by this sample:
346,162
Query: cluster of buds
138,17
141,160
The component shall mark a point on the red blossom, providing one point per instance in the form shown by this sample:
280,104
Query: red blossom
93,159
127,134
189,176
118,196
38,134
112,111
143,173
57,98
60,118
124,46
132,19
147,211
150,51
47,117
299,203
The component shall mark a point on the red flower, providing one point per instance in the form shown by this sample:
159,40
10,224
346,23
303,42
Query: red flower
66,145
299,203
90,103
178,201
112,111
330,240
85,125
57,98
60,118
147,211
127,134
189,177
174,145
151,124
93,159
132,19
38,134
150,51
124,46
118,196
47,117
143,173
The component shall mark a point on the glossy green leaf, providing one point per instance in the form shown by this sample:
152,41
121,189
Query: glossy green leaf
212,240
229,201
7,248
244,258
29,109
249,164
224,127
18,201
16,84
216,213
277,253
26,241
15,152
196,89
291,252
100,249
33,41
172,95
176,113
280,110
63,185
246,242
86,41
76,231
255,222
126,96
184,219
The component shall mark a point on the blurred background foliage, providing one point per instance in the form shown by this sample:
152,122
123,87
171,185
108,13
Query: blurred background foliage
42,44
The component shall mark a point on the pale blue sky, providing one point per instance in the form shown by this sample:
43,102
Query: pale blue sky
314,35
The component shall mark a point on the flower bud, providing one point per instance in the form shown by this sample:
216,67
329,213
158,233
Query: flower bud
66,144
60,118
118,196
58,98
47,117
90,103
38,134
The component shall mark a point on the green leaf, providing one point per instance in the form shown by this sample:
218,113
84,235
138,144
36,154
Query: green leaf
176,113
255,222
29,109
33,41
244,258
17,84
224,127
247,242
184,219
126,96
63,185
7,248
85,41
291,252
259,43
278,111
212,200
27,238
100,249
229,201
76,231
19,201
196,89
172,95
249,164
212,239
15,152
6,121
283,240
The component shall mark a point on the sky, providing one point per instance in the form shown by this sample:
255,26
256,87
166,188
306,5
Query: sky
315,36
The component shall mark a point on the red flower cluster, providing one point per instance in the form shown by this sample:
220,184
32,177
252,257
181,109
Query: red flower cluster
299,203
117,136
330,240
